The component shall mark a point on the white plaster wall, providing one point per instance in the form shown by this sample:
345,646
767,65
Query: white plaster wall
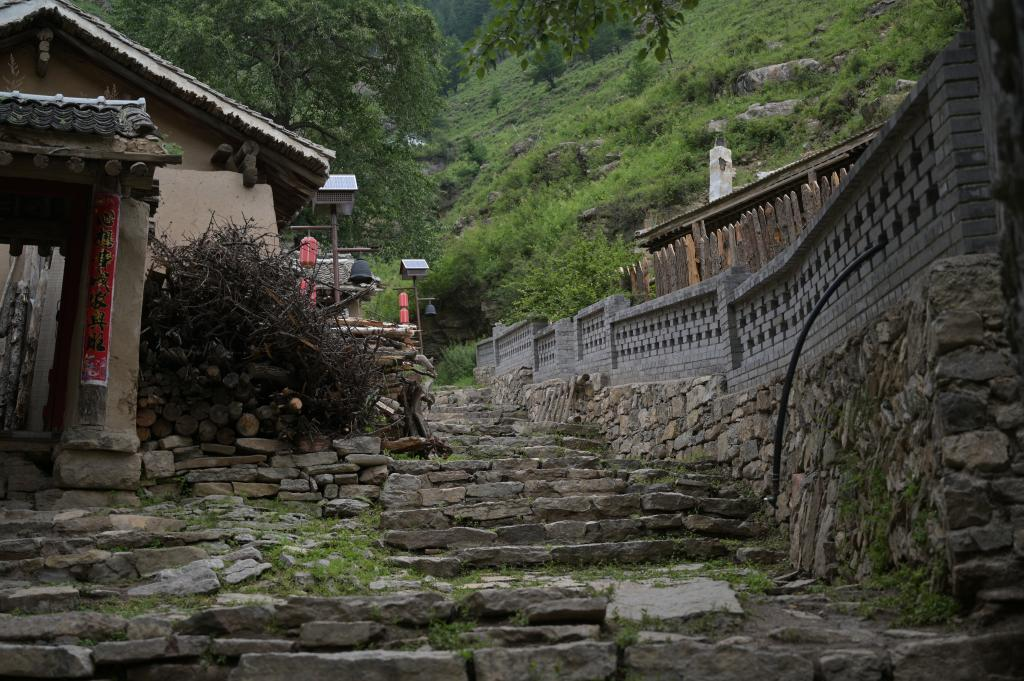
189,197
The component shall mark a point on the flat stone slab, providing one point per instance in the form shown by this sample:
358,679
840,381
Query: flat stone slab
45,662
368,665
679,601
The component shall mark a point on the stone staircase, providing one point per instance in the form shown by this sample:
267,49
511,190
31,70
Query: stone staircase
474,577
520,494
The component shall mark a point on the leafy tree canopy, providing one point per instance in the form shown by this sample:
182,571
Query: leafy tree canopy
522,26
359,76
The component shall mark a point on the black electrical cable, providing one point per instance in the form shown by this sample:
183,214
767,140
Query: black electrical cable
787,386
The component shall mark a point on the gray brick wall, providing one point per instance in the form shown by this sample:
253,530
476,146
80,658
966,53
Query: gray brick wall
923,187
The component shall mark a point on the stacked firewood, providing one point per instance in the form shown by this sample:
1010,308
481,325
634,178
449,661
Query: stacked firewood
232,347
207,405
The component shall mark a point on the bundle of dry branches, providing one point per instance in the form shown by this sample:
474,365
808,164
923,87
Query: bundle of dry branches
228,304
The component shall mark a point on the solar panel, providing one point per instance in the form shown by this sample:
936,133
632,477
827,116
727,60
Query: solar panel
341,183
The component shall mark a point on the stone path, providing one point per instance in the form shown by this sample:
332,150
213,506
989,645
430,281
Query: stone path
529,554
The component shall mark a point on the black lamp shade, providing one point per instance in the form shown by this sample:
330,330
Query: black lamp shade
431,311
361,273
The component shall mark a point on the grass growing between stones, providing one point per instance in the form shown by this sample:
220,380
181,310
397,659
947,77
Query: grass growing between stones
911,595
326,557
146,605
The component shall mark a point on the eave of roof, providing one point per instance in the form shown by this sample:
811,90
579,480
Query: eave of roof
99,116
16,14
756,192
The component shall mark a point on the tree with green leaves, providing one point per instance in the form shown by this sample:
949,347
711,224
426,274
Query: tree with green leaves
521,27
547,66
494,100
359,76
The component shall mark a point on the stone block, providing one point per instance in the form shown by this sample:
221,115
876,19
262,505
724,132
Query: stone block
145,650
255,490
314,459
261,445
363,444
501,603
667,502
456,537
339,634
40,599
441,496
158,464
954,329
367,460
494,490
78,469
295,485
148,562
84,624
364,665
45,662
960,658
696,661
374,475
578,661
344,508
984,451
370,492
299,496
276,474
209,489
403,609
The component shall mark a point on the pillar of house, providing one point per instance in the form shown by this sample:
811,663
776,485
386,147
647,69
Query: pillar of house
99,448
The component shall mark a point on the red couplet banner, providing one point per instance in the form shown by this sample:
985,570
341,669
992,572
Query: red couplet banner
102,267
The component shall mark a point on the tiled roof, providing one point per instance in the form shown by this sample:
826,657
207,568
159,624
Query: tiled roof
126,118
16,14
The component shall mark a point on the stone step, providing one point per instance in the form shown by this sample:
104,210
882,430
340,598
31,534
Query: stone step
620,553
587,430
473,417
553,509
520,441
573,532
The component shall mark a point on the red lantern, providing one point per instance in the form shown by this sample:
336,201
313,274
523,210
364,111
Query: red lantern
304,286
403,307
309,248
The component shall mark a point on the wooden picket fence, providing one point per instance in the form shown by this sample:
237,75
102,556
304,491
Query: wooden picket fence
751,242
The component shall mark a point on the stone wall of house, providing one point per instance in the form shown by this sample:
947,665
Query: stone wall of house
903,445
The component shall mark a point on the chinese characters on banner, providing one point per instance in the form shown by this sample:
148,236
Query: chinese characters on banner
102,260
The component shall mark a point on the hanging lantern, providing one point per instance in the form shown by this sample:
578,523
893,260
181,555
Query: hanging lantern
403,307
430,311
308,288
309,248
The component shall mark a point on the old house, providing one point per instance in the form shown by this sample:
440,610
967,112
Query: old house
103,143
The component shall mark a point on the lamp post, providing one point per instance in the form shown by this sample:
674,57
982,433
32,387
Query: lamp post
415,269
340,194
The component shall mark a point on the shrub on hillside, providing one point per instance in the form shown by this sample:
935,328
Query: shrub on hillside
456,364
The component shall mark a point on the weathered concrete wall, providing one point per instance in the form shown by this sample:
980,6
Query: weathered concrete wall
902,446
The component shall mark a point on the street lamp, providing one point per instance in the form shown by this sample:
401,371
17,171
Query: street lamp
340,194
415,269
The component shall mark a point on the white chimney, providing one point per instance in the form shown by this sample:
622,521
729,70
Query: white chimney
722,171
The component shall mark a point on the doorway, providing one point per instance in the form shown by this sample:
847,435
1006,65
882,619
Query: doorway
43,228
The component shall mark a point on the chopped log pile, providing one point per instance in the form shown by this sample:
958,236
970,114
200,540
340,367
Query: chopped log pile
231,348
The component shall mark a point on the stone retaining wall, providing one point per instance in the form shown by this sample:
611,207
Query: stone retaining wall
902,446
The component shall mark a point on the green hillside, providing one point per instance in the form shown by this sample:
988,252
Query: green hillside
543,231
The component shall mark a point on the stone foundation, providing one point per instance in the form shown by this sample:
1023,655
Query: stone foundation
903,445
